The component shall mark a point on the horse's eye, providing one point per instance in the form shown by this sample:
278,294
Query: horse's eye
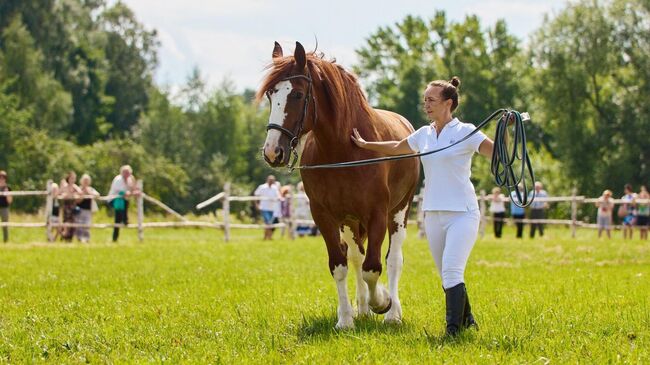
297,95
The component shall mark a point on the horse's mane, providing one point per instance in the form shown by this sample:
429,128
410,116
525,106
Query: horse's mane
341,87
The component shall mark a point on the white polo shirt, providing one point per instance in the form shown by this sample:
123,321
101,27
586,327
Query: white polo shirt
267,191
447,185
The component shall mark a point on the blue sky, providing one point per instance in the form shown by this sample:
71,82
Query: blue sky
234,38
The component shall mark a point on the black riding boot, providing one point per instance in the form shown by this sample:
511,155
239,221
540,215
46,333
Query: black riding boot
468,319
455,299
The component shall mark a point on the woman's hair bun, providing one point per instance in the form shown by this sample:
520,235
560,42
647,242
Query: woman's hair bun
455,81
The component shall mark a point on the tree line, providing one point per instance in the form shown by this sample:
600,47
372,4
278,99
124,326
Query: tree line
77,93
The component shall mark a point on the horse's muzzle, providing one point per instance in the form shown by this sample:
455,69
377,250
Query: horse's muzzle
276,158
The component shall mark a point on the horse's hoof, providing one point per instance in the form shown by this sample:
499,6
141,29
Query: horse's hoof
393,321
384,310
345,325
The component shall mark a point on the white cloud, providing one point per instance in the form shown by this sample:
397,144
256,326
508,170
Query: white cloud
235,38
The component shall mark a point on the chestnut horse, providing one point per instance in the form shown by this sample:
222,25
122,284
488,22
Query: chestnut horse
314,106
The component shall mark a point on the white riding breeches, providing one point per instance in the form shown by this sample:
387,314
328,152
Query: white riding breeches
451,237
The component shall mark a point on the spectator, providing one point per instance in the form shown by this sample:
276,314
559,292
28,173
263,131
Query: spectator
285,209
5,202
626,211
643,213
277,211
69,190
538,210
302,211
269,204
605,206
518,214
85,205
498,210
122,187
254,210
54,213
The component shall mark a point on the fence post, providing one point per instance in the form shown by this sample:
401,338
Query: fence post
574,212
140,211
226,212
483,216
420,214
49,202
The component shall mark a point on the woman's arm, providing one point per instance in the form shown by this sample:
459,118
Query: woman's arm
387,148
486,148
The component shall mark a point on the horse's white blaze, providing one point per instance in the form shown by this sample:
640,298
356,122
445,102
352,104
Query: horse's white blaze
344,311
278,114
356,258
395,261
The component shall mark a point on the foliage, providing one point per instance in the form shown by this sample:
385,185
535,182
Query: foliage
592,79
76,92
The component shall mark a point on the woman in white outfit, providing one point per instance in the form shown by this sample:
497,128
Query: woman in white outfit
451,210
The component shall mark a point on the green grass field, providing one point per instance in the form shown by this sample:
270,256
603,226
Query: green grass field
186,296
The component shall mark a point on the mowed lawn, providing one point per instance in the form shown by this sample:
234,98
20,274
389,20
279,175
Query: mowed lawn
186,296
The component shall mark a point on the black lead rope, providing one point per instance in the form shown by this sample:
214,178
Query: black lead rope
503,160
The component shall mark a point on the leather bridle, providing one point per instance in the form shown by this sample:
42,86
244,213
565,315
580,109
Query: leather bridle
294,135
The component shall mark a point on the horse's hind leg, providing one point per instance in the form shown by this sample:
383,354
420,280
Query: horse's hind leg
395,260
354,240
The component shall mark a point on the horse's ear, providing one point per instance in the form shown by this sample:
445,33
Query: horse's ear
277,50
299,55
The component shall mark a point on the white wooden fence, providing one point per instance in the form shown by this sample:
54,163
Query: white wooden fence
226,225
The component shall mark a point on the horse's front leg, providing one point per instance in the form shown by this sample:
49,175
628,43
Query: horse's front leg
339,269
380,301
356,255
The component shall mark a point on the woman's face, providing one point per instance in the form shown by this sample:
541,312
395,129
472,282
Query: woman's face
434,105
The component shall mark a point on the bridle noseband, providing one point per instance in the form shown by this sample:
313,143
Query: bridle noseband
294,136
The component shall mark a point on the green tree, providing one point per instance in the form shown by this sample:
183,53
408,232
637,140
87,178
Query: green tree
591,76
66,33
37,90
131,54
397,62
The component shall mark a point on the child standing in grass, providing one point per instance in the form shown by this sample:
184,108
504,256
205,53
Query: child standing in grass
605,206
626,212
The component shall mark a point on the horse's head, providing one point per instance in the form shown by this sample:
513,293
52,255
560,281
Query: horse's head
289,90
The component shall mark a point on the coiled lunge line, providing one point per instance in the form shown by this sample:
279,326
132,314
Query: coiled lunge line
506,173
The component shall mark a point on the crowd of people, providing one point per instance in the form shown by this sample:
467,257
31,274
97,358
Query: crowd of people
279,205
73,204
633,211
537,211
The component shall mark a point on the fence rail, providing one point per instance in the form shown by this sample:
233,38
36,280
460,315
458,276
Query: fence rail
291,223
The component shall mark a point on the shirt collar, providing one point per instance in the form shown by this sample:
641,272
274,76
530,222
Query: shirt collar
451,123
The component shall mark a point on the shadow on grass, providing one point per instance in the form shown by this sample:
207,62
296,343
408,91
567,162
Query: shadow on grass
438,339
322,327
